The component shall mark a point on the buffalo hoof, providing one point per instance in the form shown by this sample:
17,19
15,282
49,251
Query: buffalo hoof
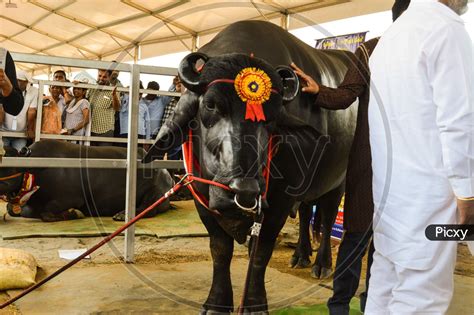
319,272
293,261
75,214
299,262
119,216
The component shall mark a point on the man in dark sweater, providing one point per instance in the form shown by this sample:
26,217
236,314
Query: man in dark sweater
10,94
358,206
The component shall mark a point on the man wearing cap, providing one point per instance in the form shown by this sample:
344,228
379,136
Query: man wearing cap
19,122
421,116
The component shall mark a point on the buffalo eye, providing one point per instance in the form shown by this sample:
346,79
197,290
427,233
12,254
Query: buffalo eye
210,117
211,106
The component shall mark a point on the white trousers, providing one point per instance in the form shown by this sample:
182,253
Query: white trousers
396,290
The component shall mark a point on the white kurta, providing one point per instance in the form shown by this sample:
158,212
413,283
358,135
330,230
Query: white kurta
421,119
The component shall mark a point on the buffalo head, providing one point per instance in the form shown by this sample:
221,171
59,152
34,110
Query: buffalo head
231,104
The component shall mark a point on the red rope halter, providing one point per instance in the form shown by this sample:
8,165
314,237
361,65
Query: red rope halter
190,162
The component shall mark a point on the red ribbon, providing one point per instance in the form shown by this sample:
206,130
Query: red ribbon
254,111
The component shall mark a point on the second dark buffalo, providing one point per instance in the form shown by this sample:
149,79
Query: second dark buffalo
92,191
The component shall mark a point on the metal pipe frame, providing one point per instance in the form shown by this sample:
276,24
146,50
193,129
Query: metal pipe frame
30,162
130,201
131,163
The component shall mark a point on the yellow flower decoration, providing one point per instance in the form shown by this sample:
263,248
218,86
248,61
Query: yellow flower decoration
253,87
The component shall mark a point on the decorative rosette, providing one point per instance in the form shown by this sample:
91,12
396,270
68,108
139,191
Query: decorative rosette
254,88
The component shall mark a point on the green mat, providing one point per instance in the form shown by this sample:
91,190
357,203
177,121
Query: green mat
182,221
319,309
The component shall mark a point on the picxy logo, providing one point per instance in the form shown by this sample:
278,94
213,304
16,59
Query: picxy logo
439,232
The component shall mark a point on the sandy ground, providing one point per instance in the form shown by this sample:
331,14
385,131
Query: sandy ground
179,274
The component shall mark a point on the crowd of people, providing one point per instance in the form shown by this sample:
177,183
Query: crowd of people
78,111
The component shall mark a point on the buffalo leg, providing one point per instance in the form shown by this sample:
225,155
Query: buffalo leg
303,251
60,210
220,299
328,205
149,197
256,300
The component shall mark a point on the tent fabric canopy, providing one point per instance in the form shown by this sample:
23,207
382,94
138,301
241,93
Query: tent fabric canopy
129,30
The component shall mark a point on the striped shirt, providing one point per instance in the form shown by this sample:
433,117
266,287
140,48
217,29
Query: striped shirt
103,113
169,109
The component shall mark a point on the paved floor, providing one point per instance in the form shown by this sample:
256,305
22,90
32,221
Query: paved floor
152,289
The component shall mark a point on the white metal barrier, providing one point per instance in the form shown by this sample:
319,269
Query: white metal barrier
131,163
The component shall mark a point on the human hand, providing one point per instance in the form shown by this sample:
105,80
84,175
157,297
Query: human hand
465,211
51,100
308,83
5,84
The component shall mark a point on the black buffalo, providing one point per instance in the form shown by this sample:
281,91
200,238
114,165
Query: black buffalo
232,150
92,191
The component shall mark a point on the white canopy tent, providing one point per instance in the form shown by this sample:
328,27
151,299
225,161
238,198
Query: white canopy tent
131,30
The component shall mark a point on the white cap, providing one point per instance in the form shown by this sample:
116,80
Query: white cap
23,76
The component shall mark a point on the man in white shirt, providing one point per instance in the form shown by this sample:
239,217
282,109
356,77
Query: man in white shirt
421,116
19,122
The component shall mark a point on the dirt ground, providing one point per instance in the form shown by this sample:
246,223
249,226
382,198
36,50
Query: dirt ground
187,257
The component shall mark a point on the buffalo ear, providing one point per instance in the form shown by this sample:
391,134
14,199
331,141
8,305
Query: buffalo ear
291,83
190,72
174,130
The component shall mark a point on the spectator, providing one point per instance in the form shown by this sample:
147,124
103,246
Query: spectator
421,115
49,124
114,81
78,114
156,108
60,75
170,106
10,94
51,118
143,117
176,153
104,104
19,122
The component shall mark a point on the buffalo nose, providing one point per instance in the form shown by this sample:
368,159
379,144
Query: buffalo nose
246,190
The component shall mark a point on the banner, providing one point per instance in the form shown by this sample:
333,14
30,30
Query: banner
342,42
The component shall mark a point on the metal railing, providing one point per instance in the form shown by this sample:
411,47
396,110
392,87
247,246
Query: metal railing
131,163
38,135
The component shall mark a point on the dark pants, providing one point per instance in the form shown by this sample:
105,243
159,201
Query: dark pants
347,274
107,134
